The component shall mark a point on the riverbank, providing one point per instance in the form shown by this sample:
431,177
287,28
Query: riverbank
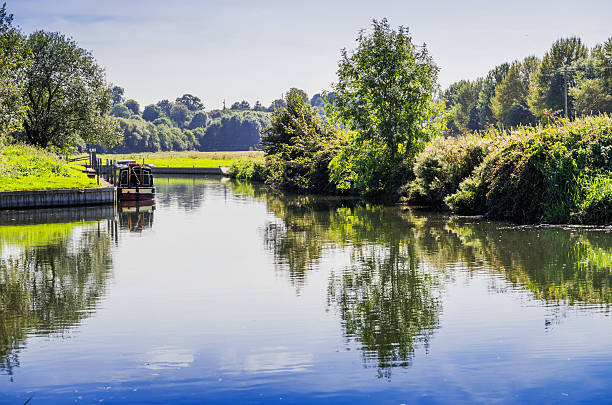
556,173
26,168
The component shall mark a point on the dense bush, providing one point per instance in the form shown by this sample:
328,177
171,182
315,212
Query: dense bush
442,165
248,169
538,175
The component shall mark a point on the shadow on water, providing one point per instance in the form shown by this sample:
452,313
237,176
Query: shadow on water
389,295
52,274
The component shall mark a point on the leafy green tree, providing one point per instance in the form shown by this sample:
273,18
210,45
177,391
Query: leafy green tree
510,91
384,96
493,79
547,93
67,95
14,59
299,146
117,95
120,111
590,97
258,106
602,55
198,121
133,106
461,100
179,114
151,112
190,101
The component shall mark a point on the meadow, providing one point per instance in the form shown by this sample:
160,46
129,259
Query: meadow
186,158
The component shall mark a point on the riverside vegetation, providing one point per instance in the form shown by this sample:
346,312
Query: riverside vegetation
493,146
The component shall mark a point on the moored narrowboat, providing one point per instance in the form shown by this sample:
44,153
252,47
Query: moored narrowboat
135,182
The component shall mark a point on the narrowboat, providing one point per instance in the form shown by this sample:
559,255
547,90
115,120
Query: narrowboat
135,182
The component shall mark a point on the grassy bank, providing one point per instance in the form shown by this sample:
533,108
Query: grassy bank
29,168
188,158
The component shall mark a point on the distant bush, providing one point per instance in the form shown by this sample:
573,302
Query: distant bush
538,175
442,165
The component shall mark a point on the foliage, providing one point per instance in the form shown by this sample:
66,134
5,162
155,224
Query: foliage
248,169
120,111
117,95
66,95
537,174
25,167
133,106
596,205
199,120
443,164
591,98
547,93
179,114
384,97
190,101
151,113
299,146
14,59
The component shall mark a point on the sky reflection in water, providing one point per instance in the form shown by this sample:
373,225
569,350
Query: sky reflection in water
224,292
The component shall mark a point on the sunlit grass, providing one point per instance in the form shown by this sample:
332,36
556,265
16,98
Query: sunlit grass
28,168
187,159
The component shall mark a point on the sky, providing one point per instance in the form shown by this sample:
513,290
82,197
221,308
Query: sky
256,50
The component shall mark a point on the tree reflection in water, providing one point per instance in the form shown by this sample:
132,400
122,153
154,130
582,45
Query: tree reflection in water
388,295
51,278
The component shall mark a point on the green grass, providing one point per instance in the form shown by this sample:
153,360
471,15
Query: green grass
187,159
25,167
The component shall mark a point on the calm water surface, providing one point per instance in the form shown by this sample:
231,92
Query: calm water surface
226,293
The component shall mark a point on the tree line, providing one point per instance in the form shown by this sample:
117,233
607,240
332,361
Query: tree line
570,76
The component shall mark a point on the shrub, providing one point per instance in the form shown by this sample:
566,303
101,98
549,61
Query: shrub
443,164
534,174
248,169
596,206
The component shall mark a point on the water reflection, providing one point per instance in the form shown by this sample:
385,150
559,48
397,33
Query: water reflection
52,275
389,295
136,216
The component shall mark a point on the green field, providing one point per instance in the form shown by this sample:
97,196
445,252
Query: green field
29,168
186,159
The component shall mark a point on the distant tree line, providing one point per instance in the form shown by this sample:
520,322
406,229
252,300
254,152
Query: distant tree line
183,124
532,90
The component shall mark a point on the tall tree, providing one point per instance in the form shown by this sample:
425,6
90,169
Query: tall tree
151,112
493,79
547,94
165,106
67,95
384,96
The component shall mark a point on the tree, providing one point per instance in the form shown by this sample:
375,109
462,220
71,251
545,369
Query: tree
120,111
276,104
493,79
133,106
384,96
548,91
258,106
510,91
117,95
192,102
299,146
151,112
179,113
67,95
14,59
165,106
198,121
591,98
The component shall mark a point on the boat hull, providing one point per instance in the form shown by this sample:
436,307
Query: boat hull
135,193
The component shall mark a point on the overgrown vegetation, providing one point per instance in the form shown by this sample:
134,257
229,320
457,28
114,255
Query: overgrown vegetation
187,158
25,167
556,173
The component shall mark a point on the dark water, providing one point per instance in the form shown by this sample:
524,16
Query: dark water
223,293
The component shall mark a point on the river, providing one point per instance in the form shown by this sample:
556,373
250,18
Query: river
223,292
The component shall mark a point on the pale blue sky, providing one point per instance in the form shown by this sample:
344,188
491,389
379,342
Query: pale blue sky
256,50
